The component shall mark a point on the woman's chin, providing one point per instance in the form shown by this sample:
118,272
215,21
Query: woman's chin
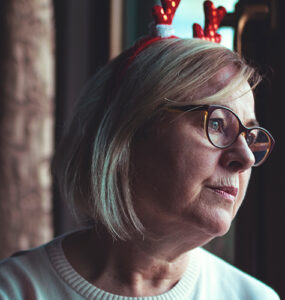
216,223
220,223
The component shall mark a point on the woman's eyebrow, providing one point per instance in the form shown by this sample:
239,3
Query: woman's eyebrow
252,123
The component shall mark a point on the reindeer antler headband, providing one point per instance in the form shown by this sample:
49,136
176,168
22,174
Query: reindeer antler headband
213,19
162,29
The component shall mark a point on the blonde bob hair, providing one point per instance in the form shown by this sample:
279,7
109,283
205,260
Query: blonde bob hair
92,163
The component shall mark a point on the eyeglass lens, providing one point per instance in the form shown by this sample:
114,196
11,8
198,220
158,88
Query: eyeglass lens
223,129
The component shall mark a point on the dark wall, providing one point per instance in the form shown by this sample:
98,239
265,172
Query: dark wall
137,17
82,46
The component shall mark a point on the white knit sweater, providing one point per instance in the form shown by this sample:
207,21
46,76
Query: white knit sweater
44,273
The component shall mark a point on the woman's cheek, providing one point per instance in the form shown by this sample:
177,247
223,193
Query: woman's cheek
243,183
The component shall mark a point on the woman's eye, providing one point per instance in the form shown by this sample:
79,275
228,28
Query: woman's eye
216,125
251,138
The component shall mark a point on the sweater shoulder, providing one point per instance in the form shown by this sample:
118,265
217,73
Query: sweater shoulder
23,261
28,274
230,280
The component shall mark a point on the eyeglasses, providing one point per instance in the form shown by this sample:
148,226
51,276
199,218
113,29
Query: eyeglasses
223,127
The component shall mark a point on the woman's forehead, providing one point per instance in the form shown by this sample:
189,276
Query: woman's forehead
219,81
241,102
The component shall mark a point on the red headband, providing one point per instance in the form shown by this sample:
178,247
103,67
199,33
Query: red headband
162,29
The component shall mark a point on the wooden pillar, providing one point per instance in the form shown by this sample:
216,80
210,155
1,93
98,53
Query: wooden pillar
26,123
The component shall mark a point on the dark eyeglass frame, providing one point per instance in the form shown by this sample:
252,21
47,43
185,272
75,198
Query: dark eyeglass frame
242,129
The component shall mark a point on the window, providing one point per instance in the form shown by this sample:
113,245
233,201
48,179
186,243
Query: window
191,11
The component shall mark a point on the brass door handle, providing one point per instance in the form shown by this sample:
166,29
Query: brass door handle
249,12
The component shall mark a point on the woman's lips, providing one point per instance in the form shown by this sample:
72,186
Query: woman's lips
227,192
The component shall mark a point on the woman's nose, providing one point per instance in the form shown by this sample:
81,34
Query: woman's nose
238,157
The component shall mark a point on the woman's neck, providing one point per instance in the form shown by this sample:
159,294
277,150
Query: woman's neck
140,270
137,268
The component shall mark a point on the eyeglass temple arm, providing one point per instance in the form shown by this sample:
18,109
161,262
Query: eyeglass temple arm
177,108
187,108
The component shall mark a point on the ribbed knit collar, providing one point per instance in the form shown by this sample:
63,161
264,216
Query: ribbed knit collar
182,290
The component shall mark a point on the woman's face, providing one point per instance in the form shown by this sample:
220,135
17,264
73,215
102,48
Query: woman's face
181,181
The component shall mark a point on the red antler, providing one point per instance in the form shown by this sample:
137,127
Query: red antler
213,18
164,15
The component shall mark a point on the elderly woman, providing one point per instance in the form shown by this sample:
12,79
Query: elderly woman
157,160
